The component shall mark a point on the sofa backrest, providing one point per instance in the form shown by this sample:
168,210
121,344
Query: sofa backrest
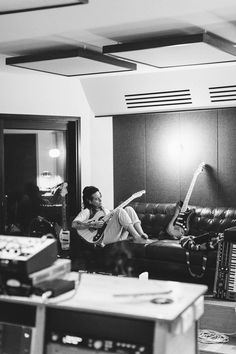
155,218
212,219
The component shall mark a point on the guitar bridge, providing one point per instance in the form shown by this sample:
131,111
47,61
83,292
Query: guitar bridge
97,237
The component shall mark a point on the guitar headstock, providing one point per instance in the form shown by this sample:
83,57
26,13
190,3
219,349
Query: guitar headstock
64,190
200,168
138,194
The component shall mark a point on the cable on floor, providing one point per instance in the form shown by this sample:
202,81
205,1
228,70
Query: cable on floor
208,336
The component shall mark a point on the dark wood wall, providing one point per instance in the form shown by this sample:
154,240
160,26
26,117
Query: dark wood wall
160,152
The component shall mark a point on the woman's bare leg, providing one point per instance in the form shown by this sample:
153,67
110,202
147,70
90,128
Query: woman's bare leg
121,219
134,233
136,222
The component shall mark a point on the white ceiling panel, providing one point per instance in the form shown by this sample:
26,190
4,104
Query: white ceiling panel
71,63
179,55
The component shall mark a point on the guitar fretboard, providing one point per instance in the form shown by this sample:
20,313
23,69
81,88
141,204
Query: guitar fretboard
189,193
64,216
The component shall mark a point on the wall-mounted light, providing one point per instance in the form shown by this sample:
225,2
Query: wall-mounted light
54,153
14,6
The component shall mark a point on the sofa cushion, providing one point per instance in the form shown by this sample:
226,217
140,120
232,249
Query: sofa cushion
136,250
171,251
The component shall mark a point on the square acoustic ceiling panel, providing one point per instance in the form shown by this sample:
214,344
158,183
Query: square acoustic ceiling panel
15,6
176,50
74,62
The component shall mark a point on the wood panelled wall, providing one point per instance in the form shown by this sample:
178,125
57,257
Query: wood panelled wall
160,152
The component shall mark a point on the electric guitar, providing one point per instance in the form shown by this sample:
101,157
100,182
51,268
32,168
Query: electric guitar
92,235
179,224
63,232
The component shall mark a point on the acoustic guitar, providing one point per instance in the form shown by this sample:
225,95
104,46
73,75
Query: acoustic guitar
179,224
92,235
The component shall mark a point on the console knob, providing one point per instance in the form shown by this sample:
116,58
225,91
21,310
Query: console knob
97,344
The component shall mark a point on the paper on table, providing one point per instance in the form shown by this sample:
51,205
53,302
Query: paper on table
104,287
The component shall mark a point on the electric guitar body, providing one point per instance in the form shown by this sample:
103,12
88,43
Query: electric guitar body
179,224
62,231
93,235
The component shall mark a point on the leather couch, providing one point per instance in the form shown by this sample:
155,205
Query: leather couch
164,258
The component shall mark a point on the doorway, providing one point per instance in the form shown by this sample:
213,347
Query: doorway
38,156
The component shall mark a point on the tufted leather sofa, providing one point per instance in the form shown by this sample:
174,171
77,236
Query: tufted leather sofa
164,258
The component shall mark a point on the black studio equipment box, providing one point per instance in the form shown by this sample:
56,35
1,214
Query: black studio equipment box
54,287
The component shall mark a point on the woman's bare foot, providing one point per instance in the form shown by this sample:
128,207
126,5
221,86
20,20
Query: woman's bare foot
141,240
137,237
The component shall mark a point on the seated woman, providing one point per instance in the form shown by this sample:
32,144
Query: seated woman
123,224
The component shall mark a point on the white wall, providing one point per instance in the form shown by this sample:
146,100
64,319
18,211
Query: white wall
106,93
102,158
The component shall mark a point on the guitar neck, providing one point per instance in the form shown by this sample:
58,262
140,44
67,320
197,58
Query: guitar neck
64,222
122,205
189,193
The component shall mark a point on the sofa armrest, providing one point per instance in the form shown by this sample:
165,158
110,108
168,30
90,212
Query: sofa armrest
230,234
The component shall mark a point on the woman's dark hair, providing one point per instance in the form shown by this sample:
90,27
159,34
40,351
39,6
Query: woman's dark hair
87,195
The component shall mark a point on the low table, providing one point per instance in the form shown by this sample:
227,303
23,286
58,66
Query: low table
107,313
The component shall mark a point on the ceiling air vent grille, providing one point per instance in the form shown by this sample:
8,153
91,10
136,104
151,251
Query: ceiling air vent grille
158,99
223,93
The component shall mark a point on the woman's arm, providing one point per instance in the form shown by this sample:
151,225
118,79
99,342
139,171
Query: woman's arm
82,222
79,225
